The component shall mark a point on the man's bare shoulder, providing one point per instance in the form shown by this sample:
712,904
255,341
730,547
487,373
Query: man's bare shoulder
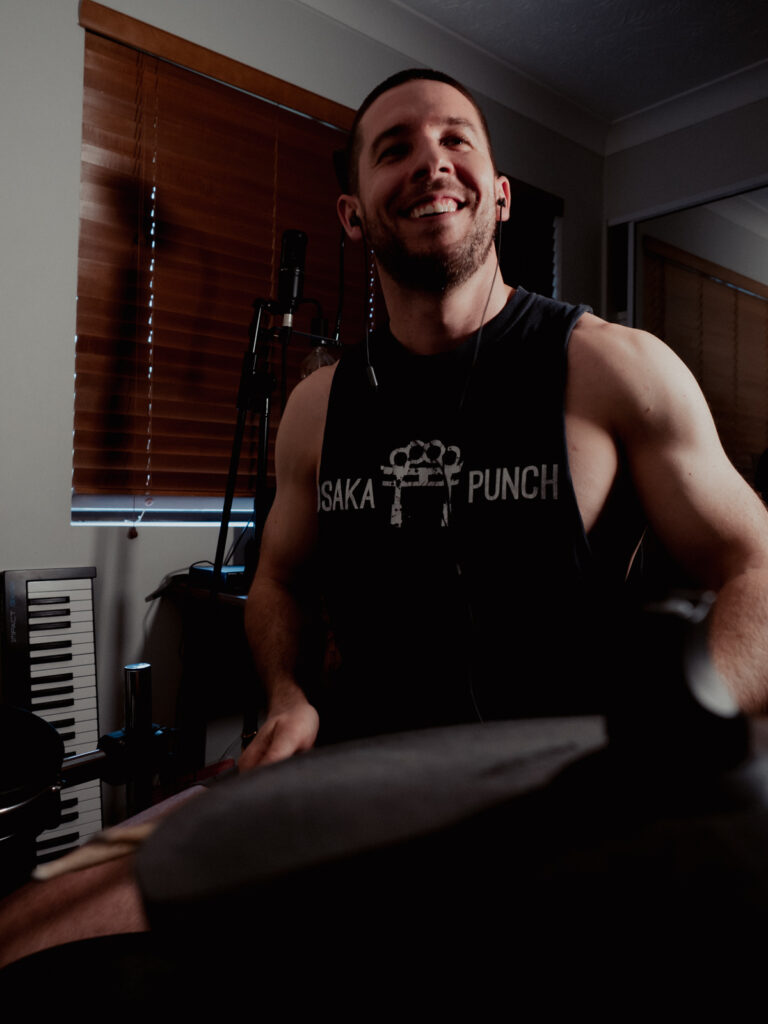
311,393
616,348
627,376
308,402
300,435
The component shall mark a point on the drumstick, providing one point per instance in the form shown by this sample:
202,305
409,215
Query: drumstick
109,844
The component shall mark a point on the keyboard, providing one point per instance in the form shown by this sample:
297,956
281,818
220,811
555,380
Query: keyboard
48,666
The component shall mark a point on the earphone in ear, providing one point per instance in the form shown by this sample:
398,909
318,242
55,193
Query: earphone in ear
354,221
501,202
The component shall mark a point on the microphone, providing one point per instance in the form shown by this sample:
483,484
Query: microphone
290,280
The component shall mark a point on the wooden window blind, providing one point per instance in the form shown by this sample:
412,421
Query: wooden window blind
187,185
717,322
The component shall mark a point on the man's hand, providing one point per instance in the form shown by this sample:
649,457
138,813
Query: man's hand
285,732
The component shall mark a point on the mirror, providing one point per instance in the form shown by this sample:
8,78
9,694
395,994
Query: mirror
701,284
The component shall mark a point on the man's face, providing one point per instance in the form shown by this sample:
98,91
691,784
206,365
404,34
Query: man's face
427,189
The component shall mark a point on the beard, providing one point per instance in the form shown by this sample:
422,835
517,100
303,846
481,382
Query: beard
435,271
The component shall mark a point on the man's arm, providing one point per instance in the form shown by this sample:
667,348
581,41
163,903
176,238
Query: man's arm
703,511
272,612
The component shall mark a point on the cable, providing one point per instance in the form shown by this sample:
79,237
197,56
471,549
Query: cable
479,334
369,370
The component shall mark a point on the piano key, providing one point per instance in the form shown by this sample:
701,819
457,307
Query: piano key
43,695
85,721
49,849
68,659
50,629
85,795
65,661
60,600
66,679
77,687
54,691
63,723
59,693
72,636
57,622
65,664
50,641
63,603
86,826
51,673
58,586
73,639
77,669
82,743
55,645
40,705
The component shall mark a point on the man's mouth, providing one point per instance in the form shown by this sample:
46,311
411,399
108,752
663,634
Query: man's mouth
435,207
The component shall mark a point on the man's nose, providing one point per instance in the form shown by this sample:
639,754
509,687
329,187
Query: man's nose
431,160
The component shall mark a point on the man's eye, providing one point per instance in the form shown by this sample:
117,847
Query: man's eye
455,140
393,152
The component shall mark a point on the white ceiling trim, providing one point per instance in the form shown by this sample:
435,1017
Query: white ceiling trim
719,97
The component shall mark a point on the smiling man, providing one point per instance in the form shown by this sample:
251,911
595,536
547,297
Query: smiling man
427,200
471,483
435,231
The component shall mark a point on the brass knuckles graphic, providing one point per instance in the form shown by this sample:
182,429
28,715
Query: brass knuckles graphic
421,464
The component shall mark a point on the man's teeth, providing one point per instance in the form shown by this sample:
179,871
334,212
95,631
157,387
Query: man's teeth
439,206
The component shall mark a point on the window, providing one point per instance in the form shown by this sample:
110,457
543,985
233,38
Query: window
187,185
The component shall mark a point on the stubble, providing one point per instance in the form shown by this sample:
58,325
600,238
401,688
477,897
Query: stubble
435,270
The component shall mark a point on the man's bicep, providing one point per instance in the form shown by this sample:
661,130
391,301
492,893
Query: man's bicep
699,505
290,532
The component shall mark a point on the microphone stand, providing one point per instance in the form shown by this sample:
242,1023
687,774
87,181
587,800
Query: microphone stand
257,382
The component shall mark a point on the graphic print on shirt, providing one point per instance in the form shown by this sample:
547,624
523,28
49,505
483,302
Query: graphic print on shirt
421,478
422,465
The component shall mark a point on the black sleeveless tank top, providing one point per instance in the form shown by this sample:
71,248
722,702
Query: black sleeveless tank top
457,574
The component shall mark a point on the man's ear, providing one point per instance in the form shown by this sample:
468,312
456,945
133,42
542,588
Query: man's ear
503,195
347,209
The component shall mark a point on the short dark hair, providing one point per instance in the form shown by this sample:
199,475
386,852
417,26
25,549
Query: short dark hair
352,151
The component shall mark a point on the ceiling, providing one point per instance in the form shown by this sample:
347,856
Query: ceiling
613,58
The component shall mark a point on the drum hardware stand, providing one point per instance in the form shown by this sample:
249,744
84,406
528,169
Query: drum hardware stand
130,756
